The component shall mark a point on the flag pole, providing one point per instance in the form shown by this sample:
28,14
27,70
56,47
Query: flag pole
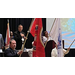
50,31
27,36
7,22
72,43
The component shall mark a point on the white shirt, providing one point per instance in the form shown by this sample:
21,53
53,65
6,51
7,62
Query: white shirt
45,39
54,52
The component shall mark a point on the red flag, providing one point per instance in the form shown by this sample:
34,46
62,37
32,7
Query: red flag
7,35
39,50
32,29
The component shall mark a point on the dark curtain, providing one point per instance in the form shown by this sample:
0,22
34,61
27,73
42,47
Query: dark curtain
14,22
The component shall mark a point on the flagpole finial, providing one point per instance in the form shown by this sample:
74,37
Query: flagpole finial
8,20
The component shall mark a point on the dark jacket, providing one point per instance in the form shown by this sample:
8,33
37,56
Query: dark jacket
10,53
18,38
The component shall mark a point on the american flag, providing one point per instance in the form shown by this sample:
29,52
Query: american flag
7,40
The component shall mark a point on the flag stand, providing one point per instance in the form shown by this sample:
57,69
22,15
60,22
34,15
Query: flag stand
49,32
26,37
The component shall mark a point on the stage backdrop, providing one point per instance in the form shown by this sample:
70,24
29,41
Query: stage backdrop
14,22
68,30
